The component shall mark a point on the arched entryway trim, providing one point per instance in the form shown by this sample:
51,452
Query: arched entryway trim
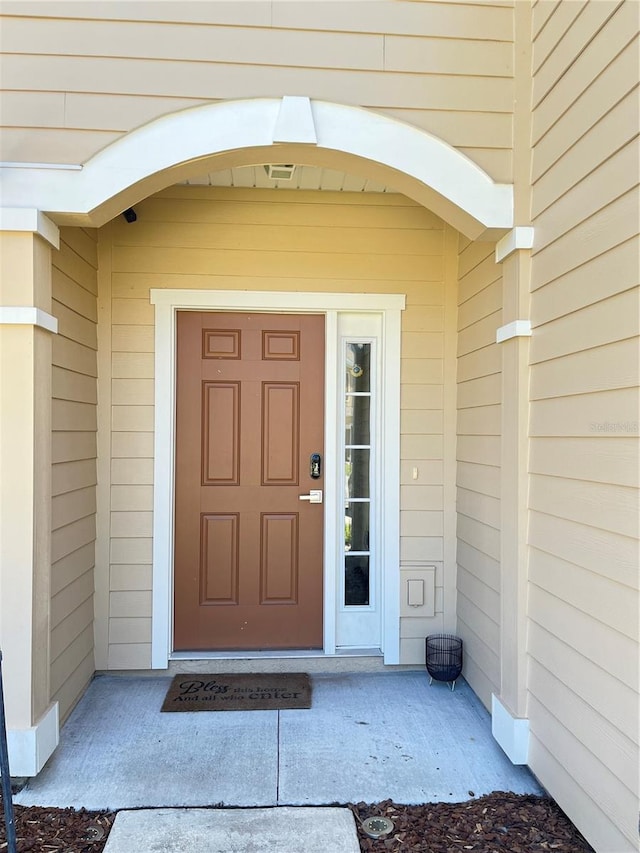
263,130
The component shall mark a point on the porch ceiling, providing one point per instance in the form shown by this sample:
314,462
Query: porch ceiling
304,178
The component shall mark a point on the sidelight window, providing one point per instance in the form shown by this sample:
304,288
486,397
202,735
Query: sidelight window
358,411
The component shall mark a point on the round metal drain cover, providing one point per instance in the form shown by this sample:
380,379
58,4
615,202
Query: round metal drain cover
94,833
376,827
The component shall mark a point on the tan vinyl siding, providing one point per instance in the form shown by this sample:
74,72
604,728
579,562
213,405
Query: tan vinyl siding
214,238
583,531
77,77
478,465
74,401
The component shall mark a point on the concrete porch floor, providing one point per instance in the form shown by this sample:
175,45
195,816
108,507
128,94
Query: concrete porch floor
367,737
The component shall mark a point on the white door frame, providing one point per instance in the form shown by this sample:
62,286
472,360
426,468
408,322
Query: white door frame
167,303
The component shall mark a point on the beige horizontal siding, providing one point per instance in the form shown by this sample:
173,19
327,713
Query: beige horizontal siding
583,530
609,273
202,237
584,68
305,47
478,465
74,424
153,78
77,76
585,114
591,195
612,132
570,456
573,28
402,17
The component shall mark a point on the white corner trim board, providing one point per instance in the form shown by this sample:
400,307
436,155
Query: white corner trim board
30,219
515,329
520,237
511,733
29,749
25,315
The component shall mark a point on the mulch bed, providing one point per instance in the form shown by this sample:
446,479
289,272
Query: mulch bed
497,823
48,830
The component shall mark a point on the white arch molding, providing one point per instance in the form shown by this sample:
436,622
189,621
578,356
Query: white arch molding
262,130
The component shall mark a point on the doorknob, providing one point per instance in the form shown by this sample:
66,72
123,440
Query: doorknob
314,496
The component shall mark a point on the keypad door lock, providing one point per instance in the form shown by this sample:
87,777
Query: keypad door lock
315,466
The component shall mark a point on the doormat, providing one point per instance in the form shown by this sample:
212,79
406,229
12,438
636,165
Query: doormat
244,692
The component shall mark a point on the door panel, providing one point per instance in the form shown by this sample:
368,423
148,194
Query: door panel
279,558
250,412
280,433
219,558
221,433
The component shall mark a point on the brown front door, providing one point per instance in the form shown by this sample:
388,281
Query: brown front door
250,412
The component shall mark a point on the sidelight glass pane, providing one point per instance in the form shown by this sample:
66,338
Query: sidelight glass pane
356,580
357,473
358,367
356,469
357,411
356,526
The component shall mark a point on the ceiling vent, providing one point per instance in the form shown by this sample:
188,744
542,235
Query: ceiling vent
280,171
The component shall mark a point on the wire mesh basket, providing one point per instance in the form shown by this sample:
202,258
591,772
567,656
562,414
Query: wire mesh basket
443,657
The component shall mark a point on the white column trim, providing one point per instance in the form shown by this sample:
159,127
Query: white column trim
331,448
515,329
511,733
25,315
29,749
30,219
167,303
520,237
390,533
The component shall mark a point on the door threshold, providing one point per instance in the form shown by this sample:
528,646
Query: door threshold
289,660
274,654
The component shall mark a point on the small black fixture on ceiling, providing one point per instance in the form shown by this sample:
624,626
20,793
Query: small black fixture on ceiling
130,215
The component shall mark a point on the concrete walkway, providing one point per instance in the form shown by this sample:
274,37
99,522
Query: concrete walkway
279,830
367,737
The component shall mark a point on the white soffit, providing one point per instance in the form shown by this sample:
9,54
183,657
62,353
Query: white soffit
314,178
141,162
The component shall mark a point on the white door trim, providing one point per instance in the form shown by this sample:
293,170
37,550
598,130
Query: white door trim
167,303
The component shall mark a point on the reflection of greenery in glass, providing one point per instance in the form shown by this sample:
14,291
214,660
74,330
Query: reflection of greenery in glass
358,368
358,513
357,464
357,472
